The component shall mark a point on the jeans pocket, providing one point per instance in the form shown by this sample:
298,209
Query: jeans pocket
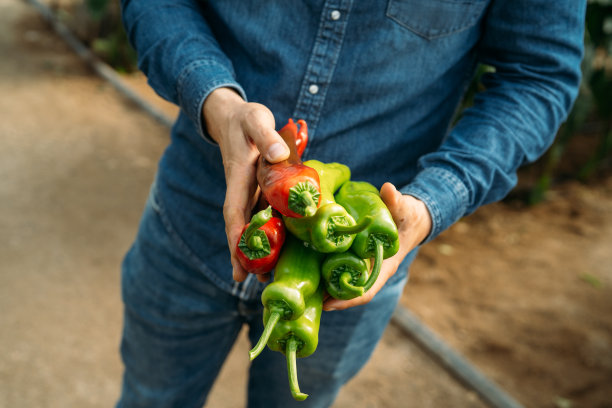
432,19
153,199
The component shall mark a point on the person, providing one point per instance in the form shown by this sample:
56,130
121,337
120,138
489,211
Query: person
378,83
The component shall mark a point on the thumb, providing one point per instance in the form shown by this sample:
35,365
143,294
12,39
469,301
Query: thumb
391,196
260,128
411,215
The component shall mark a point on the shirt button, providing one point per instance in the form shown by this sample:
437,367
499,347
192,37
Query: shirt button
313,89
335,15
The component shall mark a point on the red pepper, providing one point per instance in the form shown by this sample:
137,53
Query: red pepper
289,186
260,242
302,137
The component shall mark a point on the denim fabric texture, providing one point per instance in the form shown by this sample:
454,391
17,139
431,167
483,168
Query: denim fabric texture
378,82
179,328
389,76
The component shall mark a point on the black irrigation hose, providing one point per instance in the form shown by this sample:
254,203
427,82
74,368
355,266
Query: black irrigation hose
425,338
452,361
102,69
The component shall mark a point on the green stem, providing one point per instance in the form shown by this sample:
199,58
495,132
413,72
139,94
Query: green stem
353,229
265,335
255,243
378,259
257,221
303,199
291,353
345,283
310,206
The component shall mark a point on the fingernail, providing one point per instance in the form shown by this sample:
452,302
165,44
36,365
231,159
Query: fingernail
330,309
276,151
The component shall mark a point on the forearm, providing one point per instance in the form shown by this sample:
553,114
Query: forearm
178,52
536,57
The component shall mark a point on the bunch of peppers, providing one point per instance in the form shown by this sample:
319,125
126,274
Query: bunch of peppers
321,233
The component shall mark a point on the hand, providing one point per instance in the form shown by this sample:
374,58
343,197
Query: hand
243,131
414,224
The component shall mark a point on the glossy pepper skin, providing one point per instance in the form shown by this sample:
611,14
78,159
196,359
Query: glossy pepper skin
302,137
298,338
331,228
345,275
260,242
296,277
289,186
380,240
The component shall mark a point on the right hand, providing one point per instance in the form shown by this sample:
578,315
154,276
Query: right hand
243,131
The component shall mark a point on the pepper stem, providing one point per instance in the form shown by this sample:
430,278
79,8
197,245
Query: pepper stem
265,335
255,243
353,229
310,207
258,220
291,354
303,199
378,258
347,287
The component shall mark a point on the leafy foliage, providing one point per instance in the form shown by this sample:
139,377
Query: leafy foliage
594,101
98,24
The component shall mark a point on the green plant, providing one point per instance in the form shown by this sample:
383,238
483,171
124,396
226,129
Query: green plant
594,102
106,35
599,29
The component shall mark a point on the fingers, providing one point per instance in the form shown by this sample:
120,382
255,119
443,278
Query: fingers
414,224
264,277
239,198
238,272
259,126
242,130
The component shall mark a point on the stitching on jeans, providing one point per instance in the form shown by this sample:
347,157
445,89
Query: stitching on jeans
185,248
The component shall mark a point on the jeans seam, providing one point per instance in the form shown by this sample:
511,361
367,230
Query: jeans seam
182,245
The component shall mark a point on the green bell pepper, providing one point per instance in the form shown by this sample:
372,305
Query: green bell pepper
298,338
331,228
380,240
296,278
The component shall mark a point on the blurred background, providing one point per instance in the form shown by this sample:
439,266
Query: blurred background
522,289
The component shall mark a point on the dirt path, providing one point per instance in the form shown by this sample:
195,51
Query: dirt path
76,162
526,294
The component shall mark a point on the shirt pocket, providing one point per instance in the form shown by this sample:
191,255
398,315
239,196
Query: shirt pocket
432,19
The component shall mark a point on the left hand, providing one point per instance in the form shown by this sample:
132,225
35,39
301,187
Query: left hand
413,223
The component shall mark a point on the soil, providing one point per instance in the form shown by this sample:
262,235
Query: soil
524,293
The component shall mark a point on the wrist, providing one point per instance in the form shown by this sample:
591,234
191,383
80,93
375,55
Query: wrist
421,221
217,108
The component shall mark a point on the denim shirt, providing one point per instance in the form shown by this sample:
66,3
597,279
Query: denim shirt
378,83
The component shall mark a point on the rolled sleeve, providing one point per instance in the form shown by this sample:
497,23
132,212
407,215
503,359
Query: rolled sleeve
179,54
196,82
443,193
515,119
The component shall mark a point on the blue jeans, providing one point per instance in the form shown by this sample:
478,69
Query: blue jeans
179,328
